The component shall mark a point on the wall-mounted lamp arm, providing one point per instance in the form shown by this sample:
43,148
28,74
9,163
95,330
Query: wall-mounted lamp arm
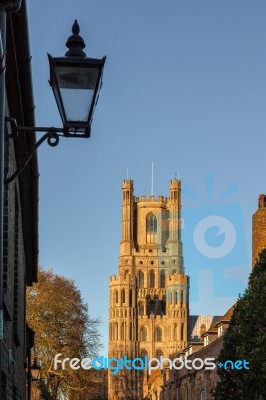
52,136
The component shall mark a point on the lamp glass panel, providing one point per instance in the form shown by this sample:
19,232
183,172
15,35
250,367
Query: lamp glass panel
35,373
77,86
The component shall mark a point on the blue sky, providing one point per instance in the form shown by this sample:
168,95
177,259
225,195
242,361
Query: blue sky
185,88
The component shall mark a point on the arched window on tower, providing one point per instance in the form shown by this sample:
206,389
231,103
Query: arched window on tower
175,297
115,331
123,331
158,334
152,280
123,296
141,279
162,279
115,297
143,353
151,307
143,334
110,332
151,227
182,332
141,309
169,297
175,332
130,297
181,297
158,354
151,223
131,331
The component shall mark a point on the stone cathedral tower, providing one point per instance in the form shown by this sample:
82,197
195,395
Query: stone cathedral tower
148,313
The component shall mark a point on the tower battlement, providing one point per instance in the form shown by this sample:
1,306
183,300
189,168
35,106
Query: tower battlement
151,199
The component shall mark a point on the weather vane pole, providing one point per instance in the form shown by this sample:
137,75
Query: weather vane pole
152,179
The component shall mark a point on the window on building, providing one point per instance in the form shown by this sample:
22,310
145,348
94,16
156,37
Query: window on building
126,195
123,330
115,296
162,279
143,334
141,309
151,228
130,297
175,297
141,279
115,331
162,307
182,332
174,195
151,223
202,395
202,329
158,334
152,280
158,354
152,307
143,353
169,296
181,296
131,331
175,332
123,296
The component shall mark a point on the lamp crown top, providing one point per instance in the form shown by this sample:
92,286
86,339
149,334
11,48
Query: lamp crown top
75,43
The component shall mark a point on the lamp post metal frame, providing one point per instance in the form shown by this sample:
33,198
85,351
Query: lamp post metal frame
75,57
52,136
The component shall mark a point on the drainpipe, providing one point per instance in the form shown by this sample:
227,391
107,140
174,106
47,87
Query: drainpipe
6,6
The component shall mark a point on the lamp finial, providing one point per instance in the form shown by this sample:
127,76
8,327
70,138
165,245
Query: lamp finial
75,28
75,43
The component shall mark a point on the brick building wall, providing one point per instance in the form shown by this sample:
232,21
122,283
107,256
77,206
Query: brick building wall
20,223
259,229
14,284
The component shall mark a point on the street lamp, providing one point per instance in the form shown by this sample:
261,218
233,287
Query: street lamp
35,371
76,81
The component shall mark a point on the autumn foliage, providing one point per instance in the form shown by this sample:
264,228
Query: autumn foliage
60,319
